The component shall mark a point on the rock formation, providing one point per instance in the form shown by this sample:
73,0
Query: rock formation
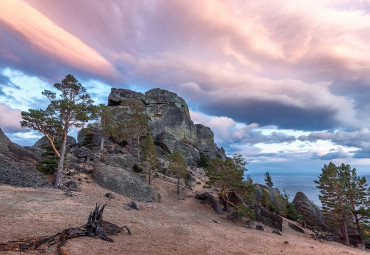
124,182
18,165
311,212
171,125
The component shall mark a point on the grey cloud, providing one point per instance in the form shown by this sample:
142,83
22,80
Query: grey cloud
255,137
359,139
331,155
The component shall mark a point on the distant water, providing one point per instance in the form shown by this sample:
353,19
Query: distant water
294,182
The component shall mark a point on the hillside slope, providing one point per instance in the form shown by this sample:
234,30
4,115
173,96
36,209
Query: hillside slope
173,226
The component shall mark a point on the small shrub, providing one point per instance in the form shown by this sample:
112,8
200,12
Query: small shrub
137,169
159,197
156,175
207,186
123,143
203,161
88,141
244,211
292,213
272,208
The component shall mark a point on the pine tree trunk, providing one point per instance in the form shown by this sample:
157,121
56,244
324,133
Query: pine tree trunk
101,144
138,149
149,175
359,229
178,186
59,174
345,230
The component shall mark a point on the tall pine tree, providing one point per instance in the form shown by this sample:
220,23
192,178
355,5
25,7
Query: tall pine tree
73,107
357,196
333,198
150,155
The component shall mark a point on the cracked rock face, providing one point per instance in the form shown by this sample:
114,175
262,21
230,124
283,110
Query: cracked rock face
171,125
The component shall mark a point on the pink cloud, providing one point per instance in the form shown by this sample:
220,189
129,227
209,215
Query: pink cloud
9,119
55,41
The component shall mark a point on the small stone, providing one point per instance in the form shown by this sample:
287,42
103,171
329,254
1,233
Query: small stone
109,195
133,205
67,194
286,242
215,221
259,227
88,181
79,179
248,224
275,231
86,178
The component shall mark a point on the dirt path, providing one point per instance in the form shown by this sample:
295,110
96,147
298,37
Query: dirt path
172,226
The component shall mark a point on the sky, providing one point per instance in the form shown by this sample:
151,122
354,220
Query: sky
284,83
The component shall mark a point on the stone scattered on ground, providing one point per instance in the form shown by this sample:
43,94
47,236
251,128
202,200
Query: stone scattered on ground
259,227
110,195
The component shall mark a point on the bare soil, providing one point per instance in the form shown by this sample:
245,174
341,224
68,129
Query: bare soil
176,225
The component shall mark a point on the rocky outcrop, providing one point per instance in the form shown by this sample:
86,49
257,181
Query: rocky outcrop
206,144
18,165
171,125
311,212
123,182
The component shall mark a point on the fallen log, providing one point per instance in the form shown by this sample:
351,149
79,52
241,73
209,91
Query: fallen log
95,226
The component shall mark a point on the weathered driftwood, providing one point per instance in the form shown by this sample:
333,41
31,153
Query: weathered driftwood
95,226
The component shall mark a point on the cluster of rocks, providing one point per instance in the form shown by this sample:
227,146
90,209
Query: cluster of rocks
171,125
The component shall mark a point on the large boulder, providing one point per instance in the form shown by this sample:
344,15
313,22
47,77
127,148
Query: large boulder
123,182
311,212
207,198
18,165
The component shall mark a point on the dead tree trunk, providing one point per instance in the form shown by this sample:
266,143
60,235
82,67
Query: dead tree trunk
95,226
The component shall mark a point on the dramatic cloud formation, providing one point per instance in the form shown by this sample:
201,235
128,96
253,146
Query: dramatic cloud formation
244,66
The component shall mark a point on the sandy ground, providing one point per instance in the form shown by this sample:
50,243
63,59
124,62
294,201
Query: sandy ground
173,226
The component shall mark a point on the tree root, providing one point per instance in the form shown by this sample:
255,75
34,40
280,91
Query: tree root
95,226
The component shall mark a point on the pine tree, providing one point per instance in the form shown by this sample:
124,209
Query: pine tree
333,198
73,108
150,155
106,126
134,123
357,196
178,167
227,176
268,180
